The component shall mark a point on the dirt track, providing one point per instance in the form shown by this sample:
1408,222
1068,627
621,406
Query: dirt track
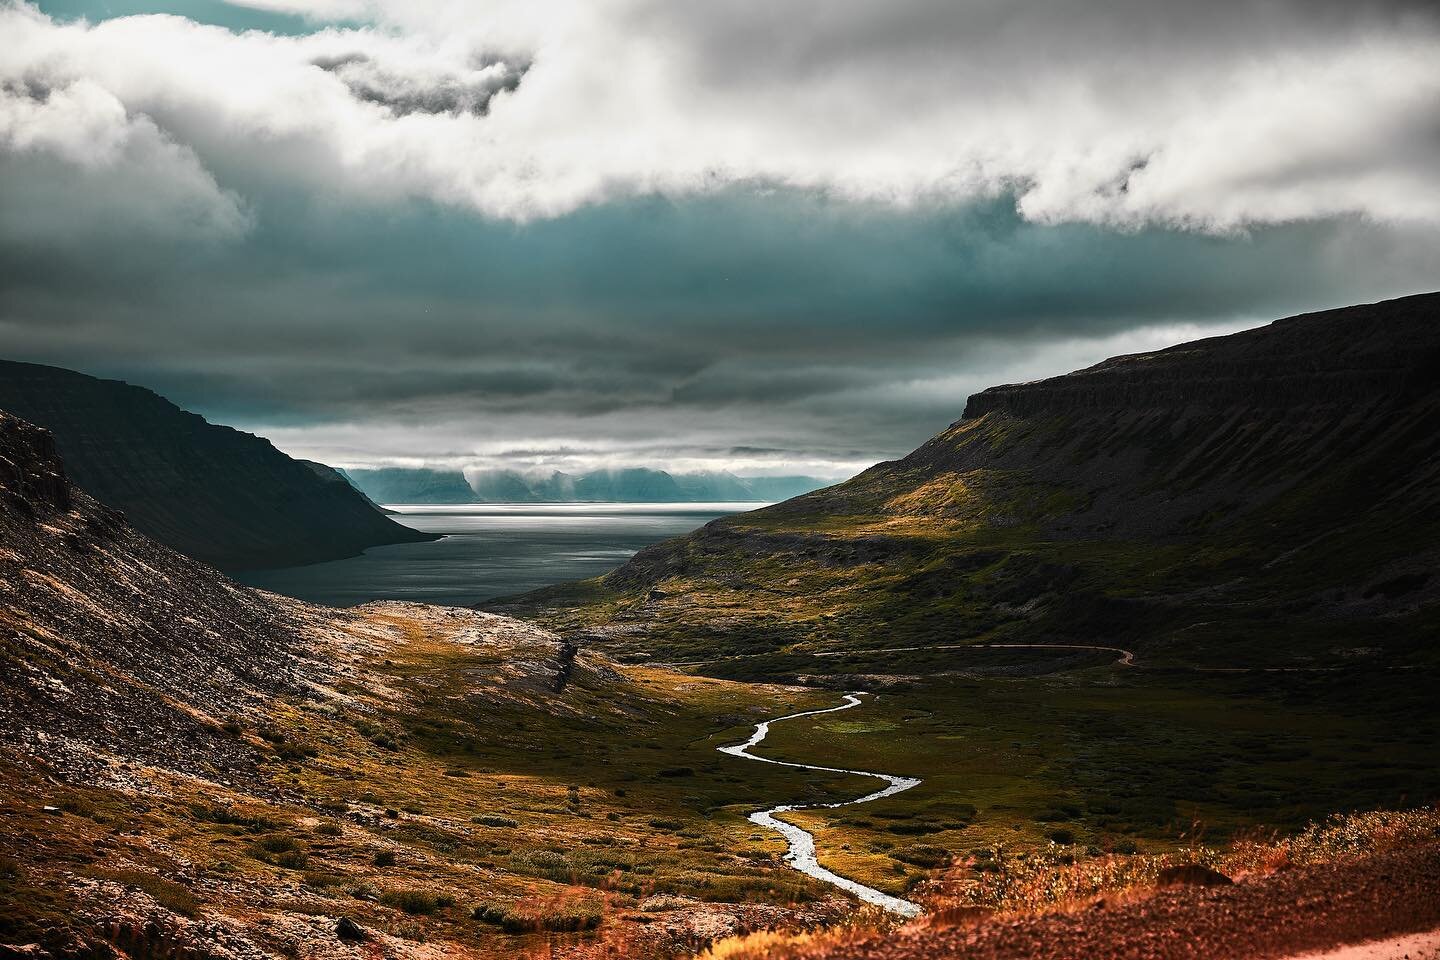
1287,913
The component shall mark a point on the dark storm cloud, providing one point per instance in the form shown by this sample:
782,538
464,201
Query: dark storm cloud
791,314
403,93
739,232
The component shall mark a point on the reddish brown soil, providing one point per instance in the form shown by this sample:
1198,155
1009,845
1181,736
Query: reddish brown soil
1286,913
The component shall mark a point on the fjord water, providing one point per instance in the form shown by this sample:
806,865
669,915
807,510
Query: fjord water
492,549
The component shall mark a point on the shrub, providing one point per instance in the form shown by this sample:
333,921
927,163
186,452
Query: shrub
559,916
923,855
167,893
322,881
416,902
494,820
279,843
228,817
488,913
384,858
280,849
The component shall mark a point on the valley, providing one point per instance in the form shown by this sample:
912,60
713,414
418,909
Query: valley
1076,666
193,767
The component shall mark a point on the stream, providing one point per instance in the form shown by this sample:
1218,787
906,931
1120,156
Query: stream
801,854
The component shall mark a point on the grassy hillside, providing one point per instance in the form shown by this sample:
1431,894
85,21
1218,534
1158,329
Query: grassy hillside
1271,498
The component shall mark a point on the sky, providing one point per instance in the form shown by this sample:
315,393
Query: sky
731,234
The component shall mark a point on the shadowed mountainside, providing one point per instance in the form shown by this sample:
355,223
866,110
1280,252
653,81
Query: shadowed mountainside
212,492
1266,498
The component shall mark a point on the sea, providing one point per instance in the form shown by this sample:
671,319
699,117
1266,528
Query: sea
490,550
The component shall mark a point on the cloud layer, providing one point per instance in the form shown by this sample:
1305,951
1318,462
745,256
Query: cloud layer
778,236
1128,113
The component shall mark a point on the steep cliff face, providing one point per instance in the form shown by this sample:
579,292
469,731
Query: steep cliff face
1213,494
217,494
1314,362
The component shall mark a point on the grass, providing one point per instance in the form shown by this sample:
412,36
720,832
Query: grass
417,902
1108,760
555,914
560,815
551,817
167,893
1054,878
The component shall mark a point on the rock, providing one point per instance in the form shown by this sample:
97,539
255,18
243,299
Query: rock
28,951
350,931
1191,875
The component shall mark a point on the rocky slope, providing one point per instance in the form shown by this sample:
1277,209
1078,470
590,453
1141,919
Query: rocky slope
190,768
213,493
1271,497
112,643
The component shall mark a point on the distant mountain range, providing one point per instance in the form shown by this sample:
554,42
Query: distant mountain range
213,493
631,485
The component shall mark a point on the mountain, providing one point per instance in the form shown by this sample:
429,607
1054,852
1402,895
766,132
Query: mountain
506,486
630,485
409,485
213,493
634,484
112,640
775,489
718,486
1270,497
190,768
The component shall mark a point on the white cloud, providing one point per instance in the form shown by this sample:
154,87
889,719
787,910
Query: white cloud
76,164
1124,114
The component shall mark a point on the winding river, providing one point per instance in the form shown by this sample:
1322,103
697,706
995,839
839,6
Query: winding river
801,854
